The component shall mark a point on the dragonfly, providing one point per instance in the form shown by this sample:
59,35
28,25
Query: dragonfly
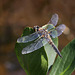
43,35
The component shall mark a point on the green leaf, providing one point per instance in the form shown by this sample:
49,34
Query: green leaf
66,65
39,61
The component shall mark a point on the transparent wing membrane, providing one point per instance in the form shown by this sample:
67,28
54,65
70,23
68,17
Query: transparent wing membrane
34,46
54,20
30,37
53,33
58,31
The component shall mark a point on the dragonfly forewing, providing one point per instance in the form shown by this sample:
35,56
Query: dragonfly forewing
34,46
29,38
54,20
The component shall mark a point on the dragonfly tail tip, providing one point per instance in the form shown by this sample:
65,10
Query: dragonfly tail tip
60,55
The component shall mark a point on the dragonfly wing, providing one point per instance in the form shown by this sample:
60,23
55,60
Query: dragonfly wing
58,31
34,46
53,33
54,20
28,38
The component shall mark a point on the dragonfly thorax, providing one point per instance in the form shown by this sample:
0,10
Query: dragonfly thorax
44,33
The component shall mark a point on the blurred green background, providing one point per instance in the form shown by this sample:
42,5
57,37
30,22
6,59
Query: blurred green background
15,15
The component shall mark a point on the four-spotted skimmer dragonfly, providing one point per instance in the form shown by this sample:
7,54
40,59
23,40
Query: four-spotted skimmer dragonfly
43,35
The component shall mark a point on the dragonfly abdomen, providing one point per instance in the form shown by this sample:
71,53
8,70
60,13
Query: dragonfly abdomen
55,48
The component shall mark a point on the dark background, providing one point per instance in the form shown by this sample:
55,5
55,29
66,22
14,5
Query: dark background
15,15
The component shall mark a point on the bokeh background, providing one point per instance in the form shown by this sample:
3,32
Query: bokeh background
15,15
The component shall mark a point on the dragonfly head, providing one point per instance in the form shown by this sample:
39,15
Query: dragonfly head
36,28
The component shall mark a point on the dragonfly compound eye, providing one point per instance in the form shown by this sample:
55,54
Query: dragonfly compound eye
36,28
